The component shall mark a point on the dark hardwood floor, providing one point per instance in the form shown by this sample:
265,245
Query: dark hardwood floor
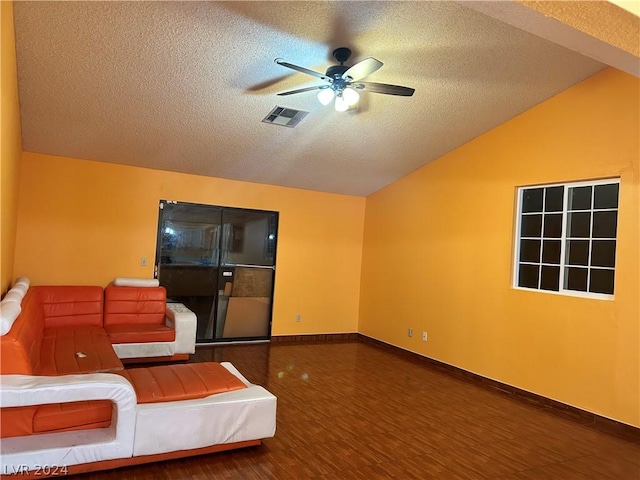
356,411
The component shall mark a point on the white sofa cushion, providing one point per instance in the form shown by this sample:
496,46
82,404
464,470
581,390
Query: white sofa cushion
9,311
13,295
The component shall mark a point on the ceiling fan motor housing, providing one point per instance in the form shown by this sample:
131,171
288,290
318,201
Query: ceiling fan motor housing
336,71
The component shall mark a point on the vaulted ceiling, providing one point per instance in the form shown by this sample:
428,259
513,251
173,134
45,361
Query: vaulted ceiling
184,86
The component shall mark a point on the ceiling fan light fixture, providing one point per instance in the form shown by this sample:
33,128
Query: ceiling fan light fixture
325,96
341,78
351,96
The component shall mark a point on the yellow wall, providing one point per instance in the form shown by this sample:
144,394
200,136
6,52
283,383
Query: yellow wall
83,222
11,147
438,255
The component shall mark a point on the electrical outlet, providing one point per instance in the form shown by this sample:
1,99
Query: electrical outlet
143,262
298,317
410,332
424,336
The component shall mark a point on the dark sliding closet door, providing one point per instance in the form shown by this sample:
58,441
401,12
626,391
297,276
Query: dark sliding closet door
219,262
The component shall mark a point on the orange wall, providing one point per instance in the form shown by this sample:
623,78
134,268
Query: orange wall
83,222
11,148
438,255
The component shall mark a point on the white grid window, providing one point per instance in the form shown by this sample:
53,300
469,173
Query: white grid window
566,238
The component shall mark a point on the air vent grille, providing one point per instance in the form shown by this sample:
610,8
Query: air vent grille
285,117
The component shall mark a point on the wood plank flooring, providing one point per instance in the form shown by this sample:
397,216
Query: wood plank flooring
355,411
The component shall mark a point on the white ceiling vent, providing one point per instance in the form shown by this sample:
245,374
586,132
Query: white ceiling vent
286,117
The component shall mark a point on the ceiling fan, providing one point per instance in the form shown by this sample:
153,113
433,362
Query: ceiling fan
344,82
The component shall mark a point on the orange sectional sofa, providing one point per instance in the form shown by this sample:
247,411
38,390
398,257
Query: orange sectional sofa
67,401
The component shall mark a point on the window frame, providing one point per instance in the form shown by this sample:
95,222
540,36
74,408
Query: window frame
563,238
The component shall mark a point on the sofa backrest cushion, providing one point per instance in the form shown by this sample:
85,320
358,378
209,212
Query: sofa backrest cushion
66,306
20,346
134,305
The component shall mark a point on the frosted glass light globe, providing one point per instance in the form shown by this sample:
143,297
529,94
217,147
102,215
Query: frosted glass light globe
325,96
351,96
341,105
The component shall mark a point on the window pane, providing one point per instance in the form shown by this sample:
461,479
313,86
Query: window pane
606,196
550,279
244,225
528,276
577,252
578,225
575,279
604,224
553,199
551,251
601,281
531,226
603,253
580,198
568,231
553,226
532,200
530,251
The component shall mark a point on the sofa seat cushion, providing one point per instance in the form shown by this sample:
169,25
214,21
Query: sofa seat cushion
74,350
168,383
58,417
140,333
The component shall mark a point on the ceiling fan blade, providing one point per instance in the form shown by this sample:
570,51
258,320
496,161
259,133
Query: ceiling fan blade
298,68
300,90
385,88
362,69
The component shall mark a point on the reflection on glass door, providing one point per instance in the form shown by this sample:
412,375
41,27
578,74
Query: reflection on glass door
219,262
189,251
246,274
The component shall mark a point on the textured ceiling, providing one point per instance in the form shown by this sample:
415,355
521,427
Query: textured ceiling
183,86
